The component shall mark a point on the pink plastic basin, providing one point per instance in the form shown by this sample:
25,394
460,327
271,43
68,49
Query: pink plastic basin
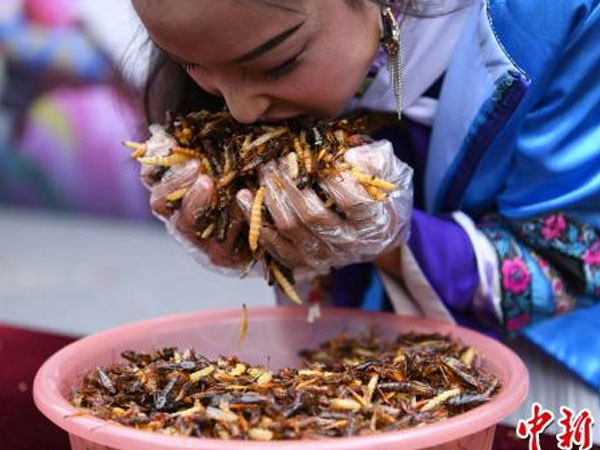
274,335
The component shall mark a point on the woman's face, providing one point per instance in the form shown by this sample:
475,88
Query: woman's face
269,59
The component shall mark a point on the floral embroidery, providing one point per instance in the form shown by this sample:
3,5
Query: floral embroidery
564,301
554,226
554,233
516,323
592,255
516,301
570,237
515,276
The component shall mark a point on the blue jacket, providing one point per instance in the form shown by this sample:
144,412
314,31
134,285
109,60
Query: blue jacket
517,135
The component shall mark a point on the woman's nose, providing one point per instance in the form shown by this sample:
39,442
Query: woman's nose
245,106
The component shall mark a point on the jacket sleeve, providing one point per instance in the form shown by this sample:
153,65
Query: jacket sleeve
538,256
507,273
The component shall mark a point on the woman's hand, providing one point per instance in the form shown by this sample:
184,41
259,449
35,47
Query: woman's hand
312,237
182,222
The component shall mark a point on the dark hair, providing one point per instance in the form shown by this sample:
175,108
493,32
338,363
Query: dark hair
168,86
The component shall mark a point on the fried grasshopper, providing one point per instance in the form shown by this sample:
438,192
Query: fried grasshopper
347,387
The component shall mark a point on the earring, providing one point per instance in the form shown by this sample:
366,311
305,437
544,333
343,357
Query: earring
390,42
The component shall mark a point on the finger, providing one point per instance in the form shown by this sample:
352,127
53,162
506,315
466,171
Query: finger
204,250
350,197
310,209
179,177
150,175
197,199
279,206
373,159
232,242
196,202
227,256
289,222
378,159
277,245
159,144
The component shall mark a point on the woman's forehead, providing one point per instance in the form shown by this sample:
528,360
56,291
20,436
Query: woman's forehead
214,30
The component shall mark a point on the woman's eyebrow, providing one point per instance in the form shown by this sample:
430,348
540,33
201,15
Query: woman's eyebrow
267,46
177,59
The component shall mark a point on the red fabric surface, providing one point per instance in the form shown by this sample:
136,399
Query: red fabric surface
23,427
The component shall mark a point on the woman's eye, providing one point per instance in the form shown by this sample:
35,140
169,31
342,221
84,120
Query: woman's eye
282,70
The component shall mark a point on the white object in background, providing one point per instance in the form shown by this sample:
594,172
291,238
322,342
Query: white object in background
10,8
116,29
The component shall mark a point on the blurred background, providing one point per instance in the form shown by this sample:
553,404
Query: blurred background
79,250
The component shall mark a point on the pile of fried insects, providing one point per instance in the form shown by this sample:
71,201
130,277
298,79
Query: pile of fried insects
231,154
347,387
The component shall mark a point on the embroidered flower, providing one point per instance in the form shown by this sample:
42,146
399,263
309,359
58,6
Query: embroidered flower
592,255
553,227
515,276
518,322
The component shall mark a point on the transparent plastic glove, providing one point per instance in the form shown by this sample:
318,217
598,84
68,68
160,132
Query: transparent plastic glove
181,223
313,238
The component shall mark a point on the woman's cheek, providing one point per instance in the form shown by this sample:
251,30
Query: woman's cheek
331,91
321,90
204,81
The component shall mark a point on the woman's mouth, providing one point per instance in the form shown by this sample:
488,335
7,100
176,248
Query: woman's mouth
278,118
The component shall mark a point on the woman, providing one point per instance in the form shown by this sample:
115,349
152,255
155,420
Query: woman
501,108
